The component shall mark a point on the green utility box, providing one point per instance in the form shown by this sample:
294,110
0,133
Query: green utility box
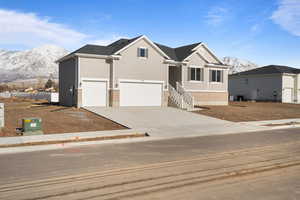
32,126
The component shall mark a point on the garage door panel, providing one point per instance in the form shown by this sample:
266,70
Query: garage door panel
140,94
94,93
287,96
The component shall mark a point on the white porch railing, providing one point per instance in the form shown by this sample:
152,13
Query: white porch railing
175,97
182,101
187,97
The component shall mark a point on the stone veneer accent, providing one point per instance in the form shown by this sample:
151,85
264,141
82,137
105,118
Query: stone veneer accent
210,98
114,98
78,98
165,99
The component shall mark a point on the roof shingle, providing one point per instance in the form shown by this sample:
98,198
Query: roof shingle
177,54
270,69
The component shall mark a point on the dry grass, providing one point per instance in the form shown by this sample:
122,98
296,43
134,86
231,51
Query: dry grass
252,111
55,119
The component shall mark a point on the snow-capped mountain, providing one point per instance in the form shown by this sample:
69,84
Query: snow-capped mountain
30,64
238,65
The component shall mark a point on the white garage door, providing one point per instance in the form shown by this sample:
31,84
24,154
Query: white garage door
287,95
140,94
94,93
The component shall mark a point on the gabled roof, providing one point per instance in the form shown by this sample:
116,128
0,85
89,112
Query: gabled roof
270,69
168,50
93,49
185,51
120,44
176,54
105,50
179,53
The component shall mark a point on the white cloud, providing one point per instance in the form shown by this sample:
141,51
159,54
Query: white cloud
255,28
216,16
27,29
107,40
288,16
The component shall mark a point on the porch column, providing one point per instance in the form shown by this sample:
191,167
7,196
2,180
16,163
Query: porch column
182,74
113,91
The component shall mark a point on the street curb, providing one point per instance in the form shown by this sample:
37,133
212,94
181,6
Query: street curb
67,136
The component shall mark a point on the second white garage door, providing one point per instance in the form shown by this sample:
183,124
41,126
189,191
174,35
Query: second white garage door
287,95
94,93
140,94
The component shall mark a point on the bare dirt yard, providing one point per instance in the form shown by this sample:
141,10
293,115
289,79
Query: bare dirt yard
252,111
55,119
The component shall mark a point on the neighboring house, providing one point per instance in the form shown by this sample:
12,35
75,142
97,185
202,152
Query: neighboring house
269,83
138,72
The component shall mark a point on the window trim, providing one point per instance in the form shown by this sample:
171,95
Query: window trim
221,76
146,52
201,74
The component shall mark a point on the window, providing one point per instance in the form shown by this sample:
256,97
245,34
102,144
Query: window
246,81
196,74
216,75
143,52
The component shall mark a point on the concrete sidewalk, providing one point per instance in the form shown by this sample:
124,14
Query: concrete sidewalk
60,138
278,123
159,123
167,122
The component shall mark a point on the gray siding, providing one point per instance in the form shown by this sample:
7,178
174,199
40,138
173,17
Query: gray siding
67,80
256,87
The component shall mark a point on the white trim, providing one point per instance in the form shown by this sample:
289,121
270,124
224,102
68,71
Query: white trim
221,76
112,80
78,73
199,54
216,68
224,67
148,40
196,47
64,58
146,53
215,82
211,52
196,66
94,79
142,81
193,81
221,91
98,80
184,73
189,56
115,57
139,81
208,50
289,74
167,61
201,75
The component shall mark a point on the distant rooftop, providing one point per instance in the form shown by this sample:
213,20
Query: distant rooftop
270,69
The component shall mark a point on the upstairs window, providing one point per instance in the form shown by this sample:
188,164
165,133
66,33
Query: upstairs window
196,74
216,76
143,52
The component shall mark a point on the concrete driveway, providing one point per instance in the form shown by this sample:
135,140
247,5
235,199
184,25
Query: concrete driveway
171,122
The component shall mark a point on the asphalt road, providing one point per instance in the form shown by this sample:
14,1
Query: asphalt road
261,165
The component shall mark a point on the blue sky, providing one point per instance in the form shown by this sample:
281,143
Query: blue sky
262,31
